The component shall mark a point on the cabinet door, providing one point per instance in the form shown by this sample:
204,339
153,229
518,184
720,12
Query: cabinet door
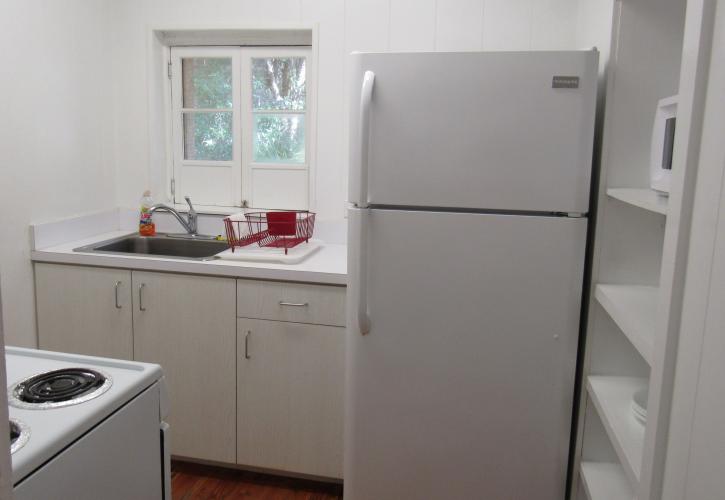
84,310
186,324
290,401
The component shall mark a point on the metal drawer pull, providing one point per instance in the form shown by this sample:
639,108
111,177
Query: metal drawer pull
246,345
140,297
115,289
294,304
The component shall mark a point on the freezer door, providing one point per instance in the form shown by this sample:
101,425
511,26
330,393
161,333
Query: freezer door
463,386
488,130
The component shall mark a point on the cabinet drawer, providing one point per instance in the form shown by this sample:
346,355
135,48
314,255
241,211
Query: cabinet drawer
301,303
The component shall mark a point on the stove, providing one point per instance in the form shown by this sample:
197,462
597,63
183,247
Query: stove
86,427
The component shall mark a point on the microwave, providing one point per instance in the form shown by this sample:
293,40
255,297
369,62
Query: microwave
663,141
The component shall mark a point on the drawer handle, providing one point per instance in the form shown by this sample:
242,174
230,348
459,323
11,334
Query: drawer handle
140,297
294,304
115,290
246,345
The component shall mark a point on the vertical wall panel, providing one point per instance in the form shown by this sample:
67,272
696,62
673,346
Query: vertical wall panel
367,25
412,24
507,24
331,154
554,24
459,24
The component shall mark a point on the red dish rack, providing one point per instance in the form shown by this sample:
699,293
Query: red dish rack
279,229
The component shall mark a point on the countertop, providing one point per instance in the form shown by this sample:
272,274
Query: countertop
326,266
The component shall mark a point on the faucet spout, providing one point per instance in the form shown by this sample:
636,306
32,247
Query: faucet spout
188,225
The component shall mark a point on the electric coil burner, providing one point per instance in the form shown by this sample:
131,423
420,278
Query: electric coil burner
59,388
19,435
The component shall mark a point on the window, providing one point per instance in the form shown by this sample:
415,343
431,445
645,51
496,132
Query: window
240,121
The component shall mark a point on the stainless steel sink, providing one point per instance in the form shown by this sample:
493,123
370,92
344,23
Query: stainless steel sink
162,245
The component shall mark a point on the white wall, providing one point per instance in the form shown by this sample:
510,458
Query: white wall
345,26
75,111
55,128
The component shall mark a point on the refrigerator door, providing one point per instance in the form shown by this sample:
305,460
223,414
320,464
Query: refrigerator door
463,386
480,130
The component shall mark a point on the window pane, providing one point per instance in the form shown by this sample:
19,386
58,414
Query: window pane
207,82
208,136
279,138
278,83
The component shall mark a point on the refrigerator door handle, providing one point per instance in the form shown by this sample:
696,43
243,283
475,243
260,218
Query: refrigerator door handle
361,159
363,319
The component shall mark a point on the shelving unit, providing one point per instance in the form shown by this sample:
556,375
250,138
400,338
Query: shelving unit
612,397
605,481
638,260
641,197
634,309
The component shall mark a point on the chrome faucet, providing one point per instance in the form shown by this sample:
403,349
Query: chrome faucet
190,224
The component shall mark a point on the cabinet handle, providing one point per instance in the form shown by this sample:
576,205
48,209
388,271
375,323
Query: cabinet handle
115,290
294,304
246,345
140,297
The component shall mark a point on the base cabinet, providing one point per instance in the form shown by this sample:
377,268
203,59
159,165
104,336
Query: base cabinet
84,310
290,380
186,324
254,369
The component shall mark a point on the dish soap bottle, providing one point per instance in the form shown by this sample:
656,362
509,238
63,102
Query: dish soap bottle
146,226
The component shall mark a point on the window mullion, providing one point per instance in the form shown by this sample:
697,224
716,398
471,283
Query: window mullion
245,120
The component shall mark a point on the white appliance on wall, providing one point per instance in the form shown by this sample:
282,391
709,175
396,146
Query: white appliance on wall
86,428
469,184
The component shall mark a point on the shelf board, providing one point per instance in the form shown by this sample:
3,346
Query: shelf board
612,397
647,199
605,481
634,309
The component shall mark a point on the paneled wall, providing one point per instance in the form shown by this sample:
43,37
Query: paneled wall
76,120
55,133
344,26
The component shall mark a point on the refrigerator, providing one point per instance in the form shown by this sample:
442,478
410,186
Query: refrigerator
469,191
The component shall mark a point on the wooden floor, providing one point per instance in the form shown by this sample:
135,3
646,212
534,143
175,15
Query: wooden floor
196,482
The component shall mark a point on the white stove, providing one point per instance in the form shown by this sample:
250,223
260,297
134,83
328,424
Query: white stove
86,427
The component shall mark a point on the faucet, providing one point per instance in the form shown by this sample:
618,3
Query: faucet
190,225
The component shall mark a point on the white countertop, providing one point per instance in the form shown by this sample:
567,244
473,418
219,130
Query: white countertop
326,266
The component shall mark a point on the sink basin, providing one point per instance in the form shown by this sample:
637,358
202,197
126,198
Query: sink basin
161,245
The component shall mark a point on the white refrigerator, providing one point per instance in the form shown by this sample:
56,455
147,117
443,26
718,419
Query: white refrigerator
469,190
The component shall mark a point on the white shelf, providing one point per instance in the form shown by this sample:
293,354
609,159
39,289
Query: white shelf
647,199
634,309
612,397
605,481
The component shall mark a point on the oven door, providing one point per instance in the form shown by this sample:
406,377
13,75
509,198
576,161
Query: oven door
116,460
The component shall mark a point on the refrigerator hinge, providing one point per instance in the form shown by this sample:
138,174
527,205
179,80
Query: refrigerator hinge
572,215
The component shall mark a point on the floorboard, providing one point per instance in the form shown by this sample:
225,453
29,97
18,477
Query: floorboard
202,482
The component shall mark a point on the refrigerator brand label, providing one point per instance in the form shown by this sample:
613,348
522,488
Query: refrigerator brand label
565,82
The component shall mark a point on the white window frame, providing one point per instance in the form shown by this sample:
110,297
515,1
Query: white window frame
242,163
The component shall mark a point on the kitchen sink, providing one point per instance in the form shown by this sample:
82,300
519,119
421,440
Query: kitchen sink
162,245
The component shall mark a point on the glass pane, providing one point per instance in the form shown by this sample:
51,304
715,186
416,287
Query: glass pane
207,82
279,138
278,83
208,136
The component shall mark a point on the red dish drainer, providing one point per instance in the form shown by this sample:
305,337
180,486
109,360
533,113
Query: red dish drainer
279,229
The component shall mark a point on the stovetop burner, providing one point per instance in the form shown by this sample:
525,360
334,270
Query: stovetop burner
19,435
59,388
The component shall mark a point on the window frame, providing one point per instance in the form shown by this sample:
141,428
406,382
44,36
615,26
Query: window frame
242,164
